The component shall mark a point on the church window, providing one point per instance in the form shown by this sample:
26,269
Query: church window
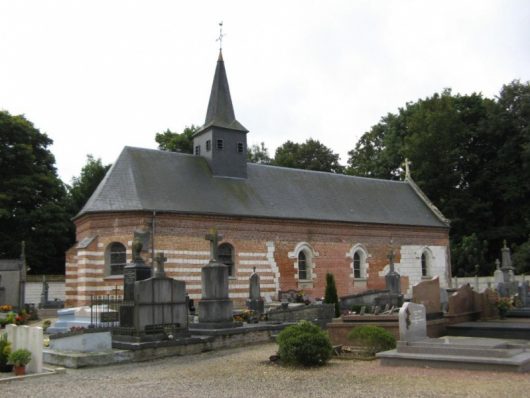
208,145
220,144
357,265
240,147
197,150
225,254
425,263
117,258
302,266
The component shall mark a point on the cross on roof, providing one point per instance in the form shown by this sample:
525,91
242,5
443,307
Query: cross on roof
214,239
407,163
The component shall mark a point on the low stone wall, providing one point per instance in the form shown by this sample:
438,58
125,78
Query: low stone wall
338,331
312,312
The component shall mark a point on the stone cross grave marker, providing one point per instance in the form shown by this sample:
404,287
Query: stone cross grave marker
412,322
214,239
160,260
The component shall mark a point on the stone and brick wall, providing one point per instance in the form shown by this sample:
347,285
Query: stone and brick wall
269,245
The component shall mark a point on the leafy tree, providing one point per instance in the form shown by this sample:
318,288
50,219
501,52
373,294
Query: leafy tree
33,200
470,155
259,154
330,294
177,142
310,155
521,258
83,186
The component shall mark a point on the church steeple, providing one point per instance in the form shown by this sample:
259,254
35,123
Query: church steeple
220,111
222,139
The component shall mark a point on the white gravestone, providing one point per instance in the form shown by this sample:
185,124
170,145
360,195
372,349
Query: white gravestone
412,322
30,338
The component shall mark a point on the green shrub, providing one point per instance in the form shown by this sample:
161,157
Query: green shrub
20,357
330,294
5,349
373,338
304,344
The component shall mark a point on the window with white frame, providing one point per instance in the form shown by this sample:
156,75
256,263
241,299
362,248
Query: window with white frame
225,254
303,269
426,260
358,254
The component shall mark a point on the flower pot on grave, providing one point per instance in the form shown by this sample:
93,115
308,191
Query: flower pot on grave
19,370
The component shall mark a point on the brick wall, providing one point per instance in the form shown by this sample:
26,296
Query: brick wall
269,245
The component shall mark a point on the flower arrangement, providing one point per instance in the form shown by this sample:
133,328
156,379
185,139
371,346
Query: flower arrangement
504,303
6,308
14,318
246,316
20,357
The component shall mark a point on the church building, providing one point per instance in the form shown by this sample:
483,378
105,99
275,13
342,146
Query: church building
293,226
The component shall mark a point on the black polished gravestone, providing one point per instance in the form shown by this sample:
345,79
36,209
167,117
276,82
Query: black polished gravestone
255,301
137,270
215,307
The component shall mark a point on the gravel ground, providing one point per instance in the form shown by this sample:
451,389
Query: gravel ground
246,372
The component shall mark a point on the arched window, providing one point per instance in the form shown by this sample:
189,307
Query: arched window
117,258
425,264
357,265
225,254
302,266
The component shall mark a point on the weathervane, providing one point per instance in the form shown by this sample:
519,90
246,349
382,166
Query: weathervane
221,35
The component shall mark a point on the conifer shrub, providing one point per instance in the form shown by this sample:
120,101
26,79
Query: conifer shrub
374,338
304,344
330,294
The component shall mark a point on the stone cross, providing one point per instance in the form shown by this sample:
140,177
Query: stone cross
498,263
45,289
160,259
214,239
391,260
136,249
407,164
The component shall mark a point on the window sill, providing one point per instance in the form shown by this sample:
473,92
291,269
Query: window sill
360,279
305,284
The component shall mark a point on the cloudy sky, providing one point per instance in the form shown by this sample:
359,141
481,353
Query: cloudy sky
98,75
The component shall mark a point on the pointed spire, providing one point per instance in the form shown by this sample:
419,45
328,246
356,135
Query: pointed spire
220,109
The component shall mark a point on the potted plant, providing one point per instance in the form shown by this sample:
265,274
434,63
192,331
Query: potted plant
20,358
5,350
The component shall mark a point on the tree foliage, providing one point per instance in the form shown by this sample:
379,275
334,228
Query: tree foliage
33,200
310,155
259,154
83,186
470,155
177,142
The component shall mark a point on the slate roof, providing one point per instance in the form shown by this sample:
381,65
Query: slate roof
146,179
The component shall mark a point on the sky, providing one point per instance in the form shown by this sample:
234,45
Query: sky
99,75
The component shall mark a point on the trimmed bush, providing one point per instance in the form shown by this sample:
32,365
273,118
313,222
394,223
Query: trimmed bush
304,344
330,294
373,338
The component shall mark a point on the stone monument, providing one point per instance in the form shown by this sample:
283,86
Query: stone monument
215,307
255,301
137,270
508,287
392,279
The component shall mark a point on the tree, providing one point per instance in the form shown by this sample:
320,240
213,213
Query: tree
310,155
470,155
330,294
83,186
33,200
177,142
259,154
521,258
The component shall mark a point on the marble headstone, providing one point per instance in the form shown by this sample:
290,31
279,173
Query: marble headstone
412,322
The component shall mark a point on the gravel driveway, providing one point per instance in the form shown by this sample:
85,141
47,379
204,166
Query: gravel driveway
246,372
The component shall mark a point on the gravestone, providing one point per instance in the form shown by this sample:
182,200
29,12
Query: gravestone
428,293
215,307
159,309
412,322
255,301
508,287
133,272
444,299
498,275
29,338
461,301
392,279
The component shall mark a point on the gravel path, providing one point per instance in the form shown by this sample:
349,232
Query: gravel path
246,372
